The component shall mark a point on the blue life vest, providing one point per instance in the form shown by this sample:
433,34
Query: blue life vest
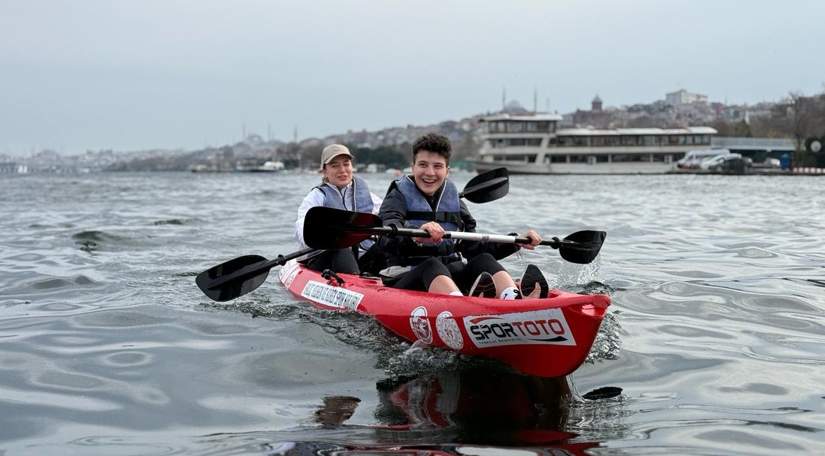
362,202
447,213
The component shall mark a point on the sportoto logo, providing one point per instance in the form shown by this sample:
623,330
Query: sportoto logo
546,326
420,325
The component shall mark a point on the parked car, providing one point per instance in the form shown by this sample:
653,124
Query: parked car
718,162
693,157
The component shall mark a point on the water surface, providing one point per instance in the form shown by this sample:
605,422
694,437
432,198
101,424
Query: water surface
715,334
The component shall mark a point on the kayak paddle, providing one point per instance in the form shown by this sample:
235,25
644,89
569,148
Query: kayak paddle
328,228
486,187
241,275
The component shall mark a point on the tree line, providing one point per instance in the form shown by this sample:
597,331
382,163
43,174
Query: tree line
798,117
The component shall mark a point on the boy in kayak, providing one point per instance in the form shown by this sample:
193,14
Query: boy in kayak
339,189
427,200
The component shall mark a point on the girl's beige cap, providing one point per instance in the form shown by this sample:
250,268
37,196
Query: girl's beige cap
333,151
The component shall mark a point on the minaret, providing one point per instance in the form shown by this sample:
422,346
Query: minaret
295,135
535,99
503,99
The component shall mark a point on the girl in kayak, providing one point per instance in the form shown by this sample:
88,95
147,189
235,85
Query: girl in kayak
427,200
341,190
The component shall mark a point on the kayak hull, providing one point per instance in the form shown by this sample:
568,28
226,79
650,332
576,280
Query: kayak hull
542,337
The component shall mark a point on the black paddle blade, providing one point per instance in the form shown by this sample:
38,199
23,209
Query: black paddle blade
582,247
234,278
328,228
486,187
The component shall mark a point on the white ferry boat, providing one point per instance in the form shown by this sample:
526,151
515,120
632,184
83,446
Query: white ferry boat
536,144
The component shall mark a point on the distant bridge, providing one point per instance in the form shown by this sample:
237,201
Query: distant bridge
751,146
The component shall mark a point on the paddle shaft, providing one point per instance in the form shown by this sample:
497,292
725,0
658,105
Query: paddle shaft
392,231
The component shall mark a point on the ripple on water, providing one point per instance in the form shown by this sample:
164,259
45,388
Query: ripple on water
171,222
60,307
127,358
68,381
94,240
118,319
47,284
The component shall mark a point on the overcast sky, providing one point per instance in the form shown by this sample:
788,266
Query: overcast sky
77,75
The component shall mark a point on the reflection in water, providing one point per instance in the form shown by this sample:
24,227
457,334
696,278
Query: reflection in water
447,412
336,410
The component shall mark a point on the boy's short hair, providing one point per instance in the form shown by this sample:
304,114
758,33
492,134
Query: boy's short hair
435,143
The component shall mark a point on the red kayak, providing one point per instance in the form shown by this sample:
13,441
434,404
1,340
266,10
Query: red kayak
548,337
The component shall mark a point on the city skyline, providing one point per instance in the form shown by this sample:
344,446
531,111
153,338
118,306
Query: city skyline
92,75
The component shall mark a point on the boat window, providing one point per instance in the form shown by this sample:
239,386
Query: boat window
516,158
520,142
673,140
553,142
628,140
650,140
495,127
581,140
619,158
600,158
558,159
565,141
515,127
532,126
578,159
